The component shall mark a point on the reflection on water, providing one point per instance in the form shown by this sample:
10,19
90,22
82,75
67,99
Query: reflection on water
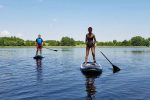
66,49
90,88
57,76
137,51
39,69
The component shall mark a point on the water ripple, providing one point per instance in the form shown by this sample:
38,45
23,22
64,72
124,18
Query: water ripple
58,76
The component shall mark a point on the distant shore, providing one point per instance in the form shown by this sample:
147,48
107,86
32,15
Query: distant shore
74,47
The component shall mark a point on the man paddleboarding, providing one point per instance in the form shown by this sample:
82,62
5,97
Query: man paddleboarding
90,41
39,44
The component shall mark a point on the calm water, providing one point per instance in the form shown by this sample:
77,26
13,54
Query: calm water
58,76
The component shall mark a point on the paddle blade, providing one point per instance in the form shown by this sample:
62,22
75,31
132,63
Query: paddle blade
115,69
56,50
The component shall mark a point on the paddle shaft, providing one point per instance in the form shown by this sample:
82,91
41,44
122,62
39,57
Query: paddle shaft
115,68
51,49
107,58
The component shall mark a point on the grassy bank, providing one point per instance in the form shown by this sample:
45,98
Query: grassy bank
74,46
17,46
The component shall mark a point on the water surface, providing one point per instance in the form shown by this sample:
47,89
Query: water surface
58,76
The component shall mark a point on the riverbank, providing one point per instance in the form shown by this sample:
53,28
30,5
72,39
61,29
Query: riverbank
74,47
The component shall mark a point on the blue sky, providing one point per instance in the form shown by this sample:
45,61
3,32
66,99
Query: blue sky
110,19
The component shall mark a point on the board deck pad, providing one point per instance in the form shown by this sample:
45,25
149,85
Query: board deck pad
38,57
91,68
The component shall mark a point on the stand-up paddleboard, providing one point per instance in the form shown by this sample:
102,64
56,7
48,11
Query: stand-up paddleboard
38,57
91,68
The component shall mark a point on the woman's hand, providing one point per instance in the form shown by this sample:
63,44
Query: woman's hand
95,44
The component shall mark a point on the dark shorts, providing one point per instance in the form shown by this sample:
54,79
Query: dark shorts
39,46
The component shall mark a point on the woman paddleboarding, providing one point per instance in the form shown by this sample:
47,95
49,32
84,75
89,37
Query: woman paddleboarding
90,41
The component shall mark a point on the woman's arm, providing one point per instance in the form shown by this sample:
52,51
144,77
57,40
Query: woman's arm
94,39
86,40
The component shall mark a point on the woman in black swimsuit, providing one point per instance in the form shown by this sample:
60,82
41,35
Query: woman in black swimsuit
90,44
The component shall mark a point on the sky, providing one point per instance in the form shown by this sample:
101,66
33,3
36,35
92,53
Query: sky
53,19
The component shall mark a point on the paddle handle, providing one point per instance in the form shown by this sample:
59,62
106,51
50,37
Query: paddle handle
106,58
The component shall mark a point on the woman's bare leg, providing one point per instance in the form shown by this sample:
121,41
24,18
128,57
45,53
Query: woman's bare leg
93,54
87,54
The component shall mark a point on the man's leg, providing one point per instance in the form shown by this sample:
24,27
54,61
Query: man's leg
41,51
37,52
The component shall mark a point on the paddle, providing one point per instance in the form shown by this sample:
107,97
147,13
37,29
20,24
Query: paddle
115,68
52,49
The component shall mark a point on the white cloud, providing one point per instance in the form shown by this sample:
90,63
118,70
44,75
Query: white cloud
1,6
6,33
19,35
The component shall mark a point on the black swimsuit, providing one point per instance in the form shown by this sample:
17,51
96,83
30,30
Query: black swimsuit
90,41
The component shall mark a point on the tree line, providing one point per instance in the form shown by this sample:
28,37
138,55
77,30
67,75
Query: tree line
14,41
134,41
67,41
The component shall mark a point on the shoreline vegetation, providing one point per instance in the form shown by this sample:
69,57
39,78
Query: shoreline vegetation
74,47
67,42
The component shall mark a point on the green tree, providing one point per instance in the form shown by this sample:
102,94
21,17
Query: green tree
11,41
137,41
100,44
126,43
29,43
118,44
1,42
72,42
52,42
114,42
66,41
147,43
79,42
